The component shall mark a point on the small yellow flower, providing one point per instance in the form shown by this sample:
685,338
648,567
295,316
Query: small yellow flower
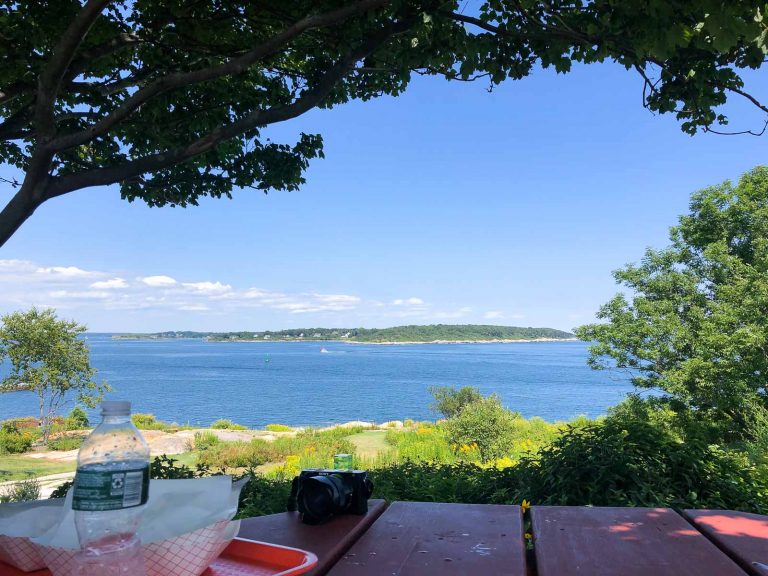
528,536
525,506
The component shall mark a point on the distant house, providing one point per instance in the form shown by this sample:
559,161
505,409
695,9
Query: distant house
267,336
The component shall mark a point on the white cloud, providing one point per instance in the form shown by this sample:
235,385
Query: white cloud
110,284
80,295
493,314
336,298
258,293
158,281
408,302
460,313
193,307
207,287
67,272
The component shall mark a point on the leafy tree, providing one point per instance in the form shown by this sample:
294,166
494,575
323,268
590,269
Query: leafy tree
77,419
695,324
170,99
449,401
484,425
47,356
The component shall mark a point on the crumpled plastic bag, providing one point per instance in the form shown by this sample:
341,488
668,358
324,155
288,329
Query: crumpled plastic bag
184,527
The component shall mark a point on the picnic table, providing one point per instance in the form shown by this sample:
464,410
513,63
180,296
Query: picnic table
426,538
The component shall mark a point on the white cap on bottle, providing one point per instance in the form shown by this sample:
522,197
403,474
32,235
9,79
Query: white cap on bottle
115,408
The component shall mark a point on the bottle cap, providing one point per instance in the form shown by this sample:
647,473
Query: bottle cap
115,408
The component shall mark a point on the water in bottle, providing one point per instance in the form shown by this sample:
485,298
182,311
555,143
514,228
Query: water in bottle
111,489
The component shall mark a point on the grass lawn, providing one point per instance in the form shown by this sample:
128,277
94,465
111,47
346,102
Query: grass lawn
14,467
187,458
370,443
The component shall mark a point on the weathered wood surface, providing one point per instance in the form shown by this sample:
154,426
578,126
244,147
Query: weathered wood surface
425,538
626,541
743,536
328,541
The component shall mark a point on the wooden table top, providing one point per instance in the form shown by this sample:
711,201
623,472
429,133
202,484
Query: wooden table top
420,539
627,541
743,536
424,538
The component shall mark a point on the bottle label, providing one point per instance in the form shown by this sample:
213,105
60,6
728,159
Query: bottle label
99,490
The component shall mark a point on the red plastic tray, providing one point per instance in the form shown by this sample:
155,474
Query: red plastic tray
241,558
251,558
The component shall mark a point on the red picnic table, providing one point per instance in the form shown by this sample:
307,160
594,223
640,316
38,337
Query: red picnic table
425,538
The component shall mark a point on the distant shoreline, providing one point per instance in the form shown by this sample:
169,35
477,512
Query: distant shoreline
359,342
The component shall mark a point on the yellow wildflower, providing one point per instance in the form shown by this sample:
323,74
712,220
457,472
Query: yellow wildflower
525,506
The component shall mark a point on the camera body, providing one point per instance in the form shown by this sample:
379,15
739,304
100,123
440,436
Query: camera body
319,494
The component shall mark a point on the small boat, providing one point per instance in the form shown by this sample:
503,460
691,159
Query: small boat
323,350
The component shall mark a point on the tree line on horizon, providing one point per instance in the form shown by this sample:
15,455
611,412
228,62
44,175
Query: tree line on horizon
410,333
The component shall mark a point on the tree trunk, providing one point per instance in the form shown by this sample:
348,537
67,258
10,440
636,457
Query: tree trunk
43,425
15,213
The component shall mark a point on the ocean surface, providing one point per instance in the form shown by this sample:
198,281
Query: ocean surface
295,383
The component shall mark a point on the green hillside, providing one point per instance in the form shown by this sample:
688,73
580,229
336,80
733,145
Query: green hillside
456,333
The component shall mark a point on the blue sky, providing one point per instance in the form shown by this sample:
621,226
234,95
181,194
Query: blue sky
447,204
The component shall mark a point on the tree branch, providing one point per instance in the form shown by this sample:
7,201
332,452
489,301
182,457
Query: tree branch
232,67
154,162
50,80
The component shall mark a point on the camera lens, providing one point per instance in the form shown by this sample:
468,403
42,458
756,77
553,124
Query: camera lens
323,496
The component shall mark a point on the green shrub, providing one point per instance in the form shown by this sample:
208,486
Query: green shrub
485,426
21,491
165,468
223,424
64,443
61,490
278,428
145,421
307,449
15,441
634,463
149,422
77,419
205,439
262,495
449,401
238,454
425,443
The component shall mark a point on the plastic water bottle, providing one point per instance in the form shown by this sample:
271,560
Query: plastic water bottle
111,489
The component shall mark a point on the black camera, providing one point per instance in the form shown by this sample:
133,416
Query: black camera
320,494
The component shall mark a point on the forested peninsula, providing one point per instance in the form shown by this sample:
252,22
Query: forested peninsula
433,333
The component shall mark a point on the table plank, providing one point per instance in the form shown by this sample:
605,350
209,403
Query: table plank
425,538
743,536
328,541
627,541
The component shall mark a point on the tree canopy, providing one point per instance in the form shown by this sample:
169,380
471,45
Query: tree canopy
170,98
48,357
695,322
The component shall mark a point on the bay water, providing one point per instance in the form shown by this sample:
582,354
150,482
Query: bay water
322,383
